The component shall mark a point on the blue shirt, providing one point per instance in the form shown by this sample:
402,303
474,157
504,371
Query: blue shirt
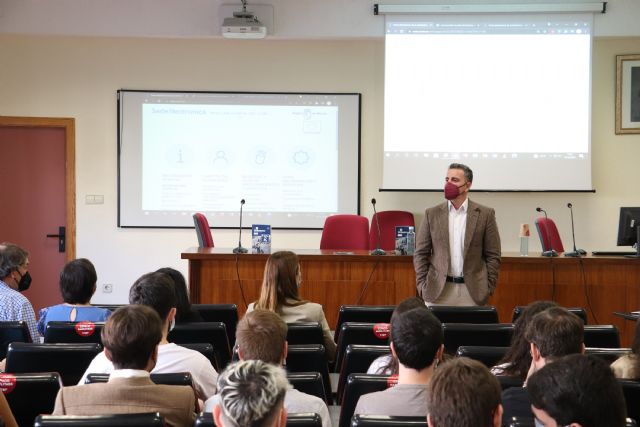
62,313
15,307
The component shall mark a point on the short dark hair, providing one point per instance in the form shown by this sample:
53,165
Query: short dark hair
78,281
468,173
11,257
556,332
261,335
463,393
130,335
416,336
578,389
183,306
156,291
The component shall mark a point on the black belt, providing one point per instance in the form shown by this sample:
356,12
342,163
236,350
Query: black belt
455,279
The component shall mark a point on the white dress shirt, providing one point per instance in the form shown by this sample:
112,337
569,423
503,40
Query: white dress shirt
457,226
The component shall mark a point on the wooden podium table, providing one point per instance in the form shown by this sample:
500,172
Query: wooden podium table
601,285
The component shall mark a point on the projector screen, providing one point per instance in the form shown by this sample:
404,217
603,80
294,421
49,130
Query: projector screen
294,158
508,95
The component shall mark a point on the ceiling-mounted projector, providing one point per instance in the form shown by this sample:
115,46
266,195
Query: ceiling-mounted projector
243,25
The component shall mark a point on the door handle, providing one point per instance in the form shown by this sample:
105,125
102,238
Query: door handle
62,234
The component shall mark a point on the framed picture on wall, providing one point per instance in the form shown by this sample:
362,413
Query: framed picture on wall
627,94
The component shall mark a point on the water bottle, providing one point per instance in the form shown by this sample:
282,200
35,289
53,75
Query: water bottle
524,245
411,241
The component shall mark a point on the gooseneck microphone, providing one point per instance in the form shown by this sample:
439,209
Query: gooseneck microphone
377,250
551,252
575,252
240,249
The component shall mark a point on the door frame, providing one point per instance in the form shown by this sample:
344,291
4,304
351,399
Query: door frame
69,125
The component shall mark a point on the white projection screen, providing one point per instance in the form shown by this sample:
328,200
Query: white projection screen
293,157
507,94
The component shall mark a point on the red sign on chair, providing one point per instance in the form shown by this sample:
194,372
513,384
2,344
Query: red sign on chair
7,383
381,330
392,381
85,329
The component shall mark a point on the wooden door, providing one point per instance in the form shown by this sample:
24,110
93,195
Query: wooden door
38,196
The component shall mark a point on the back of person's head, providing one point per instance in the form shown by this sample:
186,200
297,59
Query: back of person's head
578,389
78,281
155,290
556,332
280,281
416,336
130,336
261,335
183,305
11,257
406,305
463,393
251,395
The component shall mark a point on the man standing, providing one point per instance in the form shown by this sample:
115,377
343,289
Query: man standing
457,254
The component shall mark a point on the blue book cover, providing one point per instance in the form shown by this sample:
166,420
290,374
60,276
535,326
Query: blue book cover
401,239
260,239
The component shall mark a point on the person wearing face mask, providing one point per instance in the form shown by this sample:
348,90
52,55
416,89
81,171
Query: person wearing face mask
15,278
457,256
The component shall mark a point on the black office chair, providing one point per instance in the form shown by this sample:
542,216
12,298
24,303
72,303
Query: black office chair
631,391
225,313
30,395
309,383
206,349
465,334
363,314
12,332
173,378
76,332
521,422
110,307
578,311
357,385
357,359
455,314
304,333
508,381
360,333
387,421
152,419
293,420
489,356
601,336
310,358
214,333
609,355
69,359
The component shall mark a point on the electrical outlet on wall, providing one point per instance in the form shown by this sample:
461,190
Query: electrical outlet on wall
107,288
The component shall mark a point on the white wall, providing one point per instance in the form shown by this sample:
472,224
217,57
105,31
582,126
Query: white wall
78,77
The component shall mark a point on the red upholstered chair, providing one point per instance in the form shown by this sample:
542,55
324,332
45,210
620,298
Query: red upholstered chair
205,239
388,220
547,230
345,232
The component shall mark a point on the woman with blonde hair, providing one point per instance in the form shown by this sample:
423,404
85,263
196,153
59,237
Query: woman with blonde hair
279,293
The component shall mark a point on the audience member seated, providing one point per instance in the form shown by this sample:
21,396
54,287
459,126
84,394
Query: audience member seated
628,366
6,417
551,334
388,365
15,278
77,285
130,337
463,393
262,335
156,291
517,361
577,391
251,395
416,342
184,312
279,293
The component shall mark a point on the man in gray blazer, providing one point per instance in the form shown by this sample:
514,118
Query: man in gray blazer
457,254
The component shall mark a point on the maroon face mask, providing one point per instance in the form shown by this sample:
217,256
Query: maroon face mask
451,191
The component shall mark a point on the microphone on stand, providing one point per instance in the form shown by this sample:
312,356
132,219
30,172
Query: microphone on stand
575,252
551,252
240,249
377,250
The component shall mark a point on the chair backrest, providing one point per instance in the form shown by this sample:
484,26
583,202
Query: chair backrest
363,313
578,311
173,378
203,231
357,359
309,383
110,307
356,386
293,420
12,331
359,420
69,359
489,356
601,336
521,422
631,391
360,333
304,333
463,334
609,355
214,333
31,394
388,221
455,314
225,313
310,357
152,419
508,381
76,332
345,232
548,233
206,349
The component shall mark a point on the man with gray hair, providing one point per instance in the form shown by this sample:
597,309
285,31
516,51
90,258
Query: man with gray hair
251,395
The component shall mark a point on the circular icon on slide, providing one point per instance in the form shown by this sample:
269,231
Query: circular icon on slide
220,157
179,156
301,157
